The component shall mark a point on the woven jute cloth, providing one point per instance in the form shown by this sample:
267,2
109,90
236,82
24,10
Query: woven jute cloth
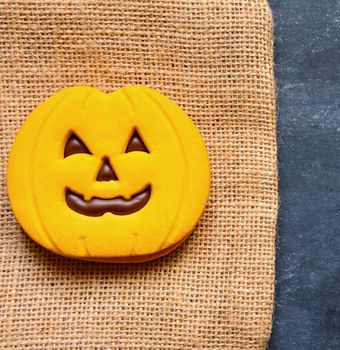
214,58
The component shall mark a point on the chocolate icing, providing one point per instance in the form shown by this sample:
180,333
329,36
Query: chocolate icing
136,144
99,206
75,145
106,173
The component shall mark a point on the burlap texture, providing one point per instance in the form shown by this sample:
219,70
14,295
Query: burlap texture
214,58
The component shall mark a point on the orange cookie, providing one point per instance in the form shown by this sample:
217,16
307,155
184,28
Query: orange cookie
110,177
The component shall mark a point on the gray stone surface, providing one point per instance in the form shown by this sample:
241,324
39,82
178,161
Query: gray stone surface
307,56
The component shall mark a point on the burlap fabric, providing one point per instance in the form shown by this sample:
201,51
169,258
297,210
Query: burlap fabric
214,58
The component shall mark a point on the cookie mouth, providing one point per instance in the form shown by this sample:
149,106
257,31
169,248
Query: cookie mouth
99,206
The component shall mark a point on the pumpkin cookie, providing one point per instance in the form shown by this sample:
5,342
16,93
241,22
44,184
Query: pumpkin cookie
109,177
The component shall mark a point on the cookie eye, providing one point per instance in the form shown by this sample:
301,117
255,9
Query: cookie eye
75,145
136,144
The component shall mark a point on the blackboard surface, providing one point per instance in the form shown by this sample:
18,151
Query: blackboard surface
307,57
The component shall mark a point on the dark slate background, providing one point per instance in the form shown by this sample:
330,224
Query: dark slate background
307,57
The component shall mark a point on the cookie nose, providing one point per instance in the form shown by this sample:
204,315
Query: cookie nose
106,172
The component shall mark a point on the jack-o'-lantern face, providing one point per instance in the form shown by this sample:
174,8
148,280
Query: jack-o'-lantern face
99,206
108,176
